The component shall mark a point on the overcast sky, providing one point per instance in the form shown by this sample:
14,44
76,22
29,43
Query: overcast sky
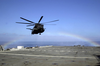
76,17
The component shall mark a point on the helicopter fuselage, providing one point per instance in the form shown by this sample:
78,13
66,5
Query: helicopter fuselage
38,28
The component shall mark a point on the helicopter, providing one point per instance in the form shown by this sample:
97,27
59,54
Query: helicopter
38,27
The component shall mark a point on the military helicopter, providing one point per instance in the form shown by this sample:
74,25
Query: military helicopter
38,27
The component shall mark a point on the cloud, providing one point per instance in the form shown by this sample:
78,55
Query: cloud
45,37
8,36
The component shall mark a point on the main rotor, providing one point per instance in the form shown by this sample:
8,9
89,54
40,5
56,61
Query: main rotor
33,23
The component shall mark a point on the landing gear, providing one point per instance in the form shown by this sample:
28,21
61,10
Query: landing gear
39,33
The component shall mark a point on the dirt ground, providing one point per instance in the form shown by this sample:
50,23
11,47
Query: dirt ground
52,56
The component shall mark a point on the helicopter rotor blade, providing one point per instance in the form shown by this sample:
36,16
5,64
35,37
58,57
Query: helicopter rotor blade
29,28
50,21
40,19
26,20
22,23
30,25
49,24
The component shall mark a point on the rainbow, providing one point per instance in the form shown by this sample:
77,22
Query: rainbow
79,37
12,41
61,33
